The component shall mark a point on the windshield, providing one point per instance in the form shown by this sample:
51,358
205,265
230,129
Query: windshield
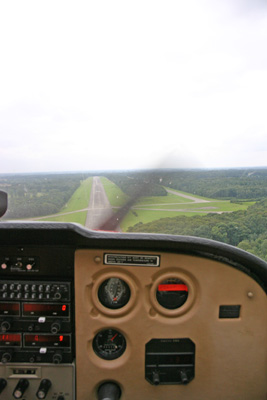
157,105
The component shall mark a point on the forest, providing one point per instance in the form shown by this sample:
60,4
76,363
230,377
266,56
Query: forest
242,184
37,195
244,229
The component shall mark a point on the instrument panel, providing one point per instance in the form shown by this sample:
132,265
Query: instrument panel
120,316
186,319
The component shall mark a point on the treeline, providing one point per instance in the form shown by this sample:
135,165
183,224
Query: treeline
38,195
219,184
244,229
137,182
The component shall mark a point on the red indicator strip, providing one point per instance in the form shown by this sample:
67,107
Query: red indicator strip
172,288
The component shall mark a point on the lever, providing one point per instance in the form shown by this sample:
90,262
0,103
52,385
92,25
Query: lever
43,389
20,388
3,384
184,377
109,391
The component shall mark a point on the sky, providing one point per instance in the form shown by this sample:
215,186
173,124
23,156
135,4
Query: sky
90,85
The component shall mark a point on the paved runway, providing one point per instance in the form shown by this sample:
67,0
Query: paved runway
99,209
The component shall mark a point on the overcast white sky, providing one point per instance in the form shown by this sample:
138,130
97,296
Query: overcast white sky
128,84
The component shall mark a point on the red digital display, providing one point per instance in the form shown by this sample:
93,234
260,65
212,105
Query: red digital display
46,310
9,308
47,340
10,339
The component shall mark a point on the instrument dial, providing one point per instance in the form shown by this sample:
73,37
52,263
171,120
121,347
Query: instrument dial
172,293
114,293
109,344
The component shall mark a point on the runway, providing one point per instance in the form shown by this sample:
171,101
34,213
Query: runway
99,208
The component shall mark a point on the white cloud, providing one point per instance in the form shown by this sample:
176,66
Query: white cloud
118,84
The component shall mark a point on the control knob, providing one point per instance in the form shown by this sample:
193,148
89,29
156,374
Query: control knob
43,389
5,326
156,378
20,388
55,327
6,357
57,358
184,377
109,391
57,295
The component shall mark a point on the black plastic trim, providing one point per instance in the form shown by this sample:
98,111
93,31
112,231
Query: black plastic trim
76,237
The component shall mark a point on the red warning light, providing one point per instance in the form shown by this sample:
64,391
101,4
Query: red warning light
61,338
64,307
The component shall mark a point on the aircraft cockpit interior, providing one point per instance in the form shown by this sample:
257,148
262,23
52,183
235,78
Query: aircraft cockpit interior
133,251
90,315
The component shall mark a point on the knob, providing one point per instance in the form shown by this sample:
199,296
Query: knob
3,384
20,388
5,326
155,378
109,391
57,358
32,358
43,389
6,357
184,377
55,327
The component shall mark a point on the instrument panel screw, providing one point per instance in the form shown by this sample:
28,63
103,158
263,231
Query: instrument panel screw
250,295
97,259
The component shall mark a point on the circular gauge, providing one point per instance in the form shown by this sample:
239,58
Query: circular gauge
172,293
109,344
114,293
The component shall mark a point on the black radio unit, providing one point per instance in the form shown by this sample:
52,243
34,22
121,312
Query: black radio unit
35,321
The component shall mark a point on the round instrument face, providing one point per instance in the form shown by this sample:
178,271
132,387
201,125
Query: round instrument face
114,293
109,344
172,293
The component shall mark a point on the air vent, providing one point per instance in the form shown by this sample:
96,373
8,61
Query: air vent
229,311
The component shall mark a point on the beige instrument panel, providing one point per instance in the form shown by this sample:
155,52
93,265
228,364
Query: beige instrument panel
230,354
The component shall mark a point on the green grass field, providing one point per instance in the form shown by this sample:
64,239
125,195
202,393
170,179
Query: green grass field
80,198
78,201
77,217
146,216
155,207
158,200
116,197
